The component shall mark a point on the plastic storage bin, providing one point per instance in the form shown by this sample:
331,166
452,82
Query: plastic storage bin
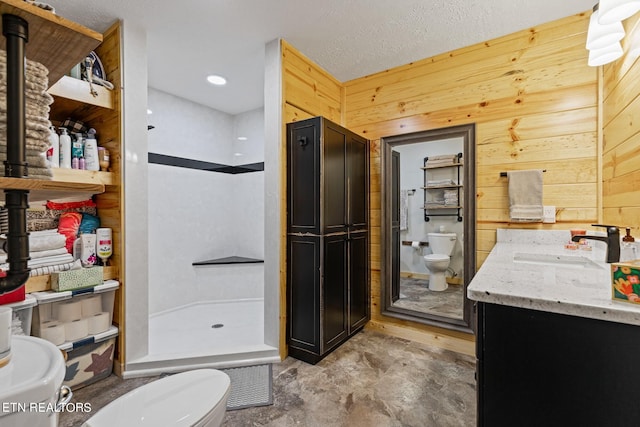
69,317
22,314
89,360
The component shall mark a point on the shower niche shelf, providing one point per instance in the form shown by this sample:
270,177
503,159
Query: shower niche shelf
229,260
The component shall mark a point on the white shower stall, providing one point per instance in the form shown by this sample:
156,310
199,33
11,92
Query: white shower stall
206,202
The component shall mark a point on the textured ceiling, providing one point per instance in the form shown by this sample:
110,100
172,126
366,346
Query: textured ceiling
190,39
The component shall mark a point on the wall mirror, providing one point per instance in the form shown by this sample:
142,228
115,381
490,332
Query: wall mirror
428,209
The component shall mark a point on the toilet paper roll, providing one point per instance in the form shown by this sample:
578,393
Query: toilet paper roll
415,245
54,332
91,305
67,311
76,329
6,316
99,322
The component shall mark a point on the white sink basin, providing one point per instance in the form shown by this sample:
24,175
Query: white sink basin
570,261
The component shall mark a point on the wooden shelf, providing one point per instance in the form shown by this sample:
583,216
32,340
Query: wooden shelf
56,42
441,207
442,166
83,176
79,91
436,187
43,283
40,190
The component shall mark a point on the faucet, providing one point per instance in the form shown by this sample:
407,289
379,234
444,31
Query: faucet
612,240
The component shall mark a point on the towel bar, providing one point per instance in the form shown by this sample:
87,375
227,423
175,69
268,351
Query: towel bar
505,174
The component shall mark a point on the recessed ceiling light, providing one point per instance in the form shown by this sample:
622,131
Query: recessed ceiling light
242,138
149,111
237,154
216,80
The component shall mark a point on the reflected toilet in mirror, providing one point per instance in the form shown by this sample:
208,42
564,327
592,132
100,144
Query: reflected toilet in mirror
437,262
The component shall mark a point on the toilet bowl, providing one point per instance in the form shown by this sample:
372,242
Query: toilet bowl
441,245
193,398
31,384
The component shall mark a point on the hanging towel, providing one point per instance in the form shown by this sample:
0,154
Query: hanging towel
525,195
404,210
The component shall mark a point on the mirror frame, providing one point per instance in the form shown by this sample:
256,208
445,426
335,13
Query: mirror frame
467,132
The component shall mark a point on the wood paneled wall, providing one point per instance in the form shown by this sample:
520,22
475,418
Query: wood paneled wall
621,130
535,104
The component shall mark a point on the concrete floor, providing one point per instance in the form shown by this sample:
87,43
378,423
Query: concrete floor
372,380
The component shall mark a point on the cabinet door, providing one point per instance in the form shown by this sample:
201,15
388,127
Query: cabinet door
334,169
358,280
303,176
334,291
303,292
358,182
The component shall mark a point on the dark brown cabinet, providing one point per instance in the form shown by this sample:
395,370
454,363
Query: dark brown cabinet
328,289
536,368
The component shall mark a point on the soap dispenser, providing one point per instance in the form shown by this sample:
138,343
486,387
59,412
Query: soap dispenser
628,248
65,149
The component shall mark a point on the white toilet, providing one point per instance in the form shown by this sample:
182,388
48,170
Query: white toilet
31,384
193,398
441,245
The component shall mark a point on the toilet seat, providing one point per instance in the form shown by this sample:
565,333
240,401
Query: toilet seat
436,257
190,398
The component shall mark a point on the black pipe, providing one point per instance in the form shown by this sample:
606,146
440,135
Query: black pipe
16,31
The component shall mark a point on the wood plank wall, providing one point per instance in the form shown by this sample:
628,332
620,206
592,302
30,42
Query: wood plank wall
621,129
108,123
535,104
307,91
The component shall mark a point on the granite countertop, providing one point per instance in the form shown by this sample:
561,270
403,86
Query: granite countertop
584,292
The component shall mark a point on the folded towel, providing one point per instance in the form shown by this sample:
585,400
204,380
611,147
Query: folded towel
45,242
41,271
43,262
451,157
37,254
525,195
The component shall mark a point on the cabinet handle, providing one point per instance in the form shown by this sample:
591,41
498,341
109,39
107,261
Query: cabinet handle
303,141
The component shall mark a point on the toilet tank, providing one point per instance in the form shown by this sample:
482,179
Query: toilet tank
442,243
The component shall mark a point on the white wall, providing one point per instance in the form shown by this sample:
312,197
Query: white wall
135,211
197,215
412,177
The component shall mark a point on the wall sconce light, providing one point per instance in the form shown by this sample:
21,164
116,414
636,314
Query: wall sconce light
617,10
600,36
606,30
605,55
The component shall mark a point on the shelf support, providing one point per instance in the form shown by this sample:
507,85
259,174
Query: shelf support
16,31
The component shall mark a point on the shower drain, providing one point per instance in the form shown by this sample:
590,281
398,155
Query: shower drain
217,325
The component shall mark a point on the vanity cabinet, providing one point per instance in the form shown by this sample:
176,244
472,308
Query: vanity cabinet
327,237
536,368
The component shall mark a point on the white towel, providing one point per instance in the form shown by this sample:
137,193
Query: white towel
525,195
404,210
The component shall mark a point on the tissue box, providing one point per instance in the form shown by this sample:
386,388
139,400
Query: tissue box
76,279
625,280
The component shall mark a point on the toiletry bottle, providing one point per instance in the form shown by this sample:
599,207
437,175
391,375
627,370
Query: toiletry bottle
628,237
77,146
65,149
91,151
53,153
75,163
82,164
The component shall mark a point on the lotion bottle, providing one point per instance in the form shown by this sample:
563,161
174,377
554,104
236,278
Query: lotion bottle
53,154
91,151
65,149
